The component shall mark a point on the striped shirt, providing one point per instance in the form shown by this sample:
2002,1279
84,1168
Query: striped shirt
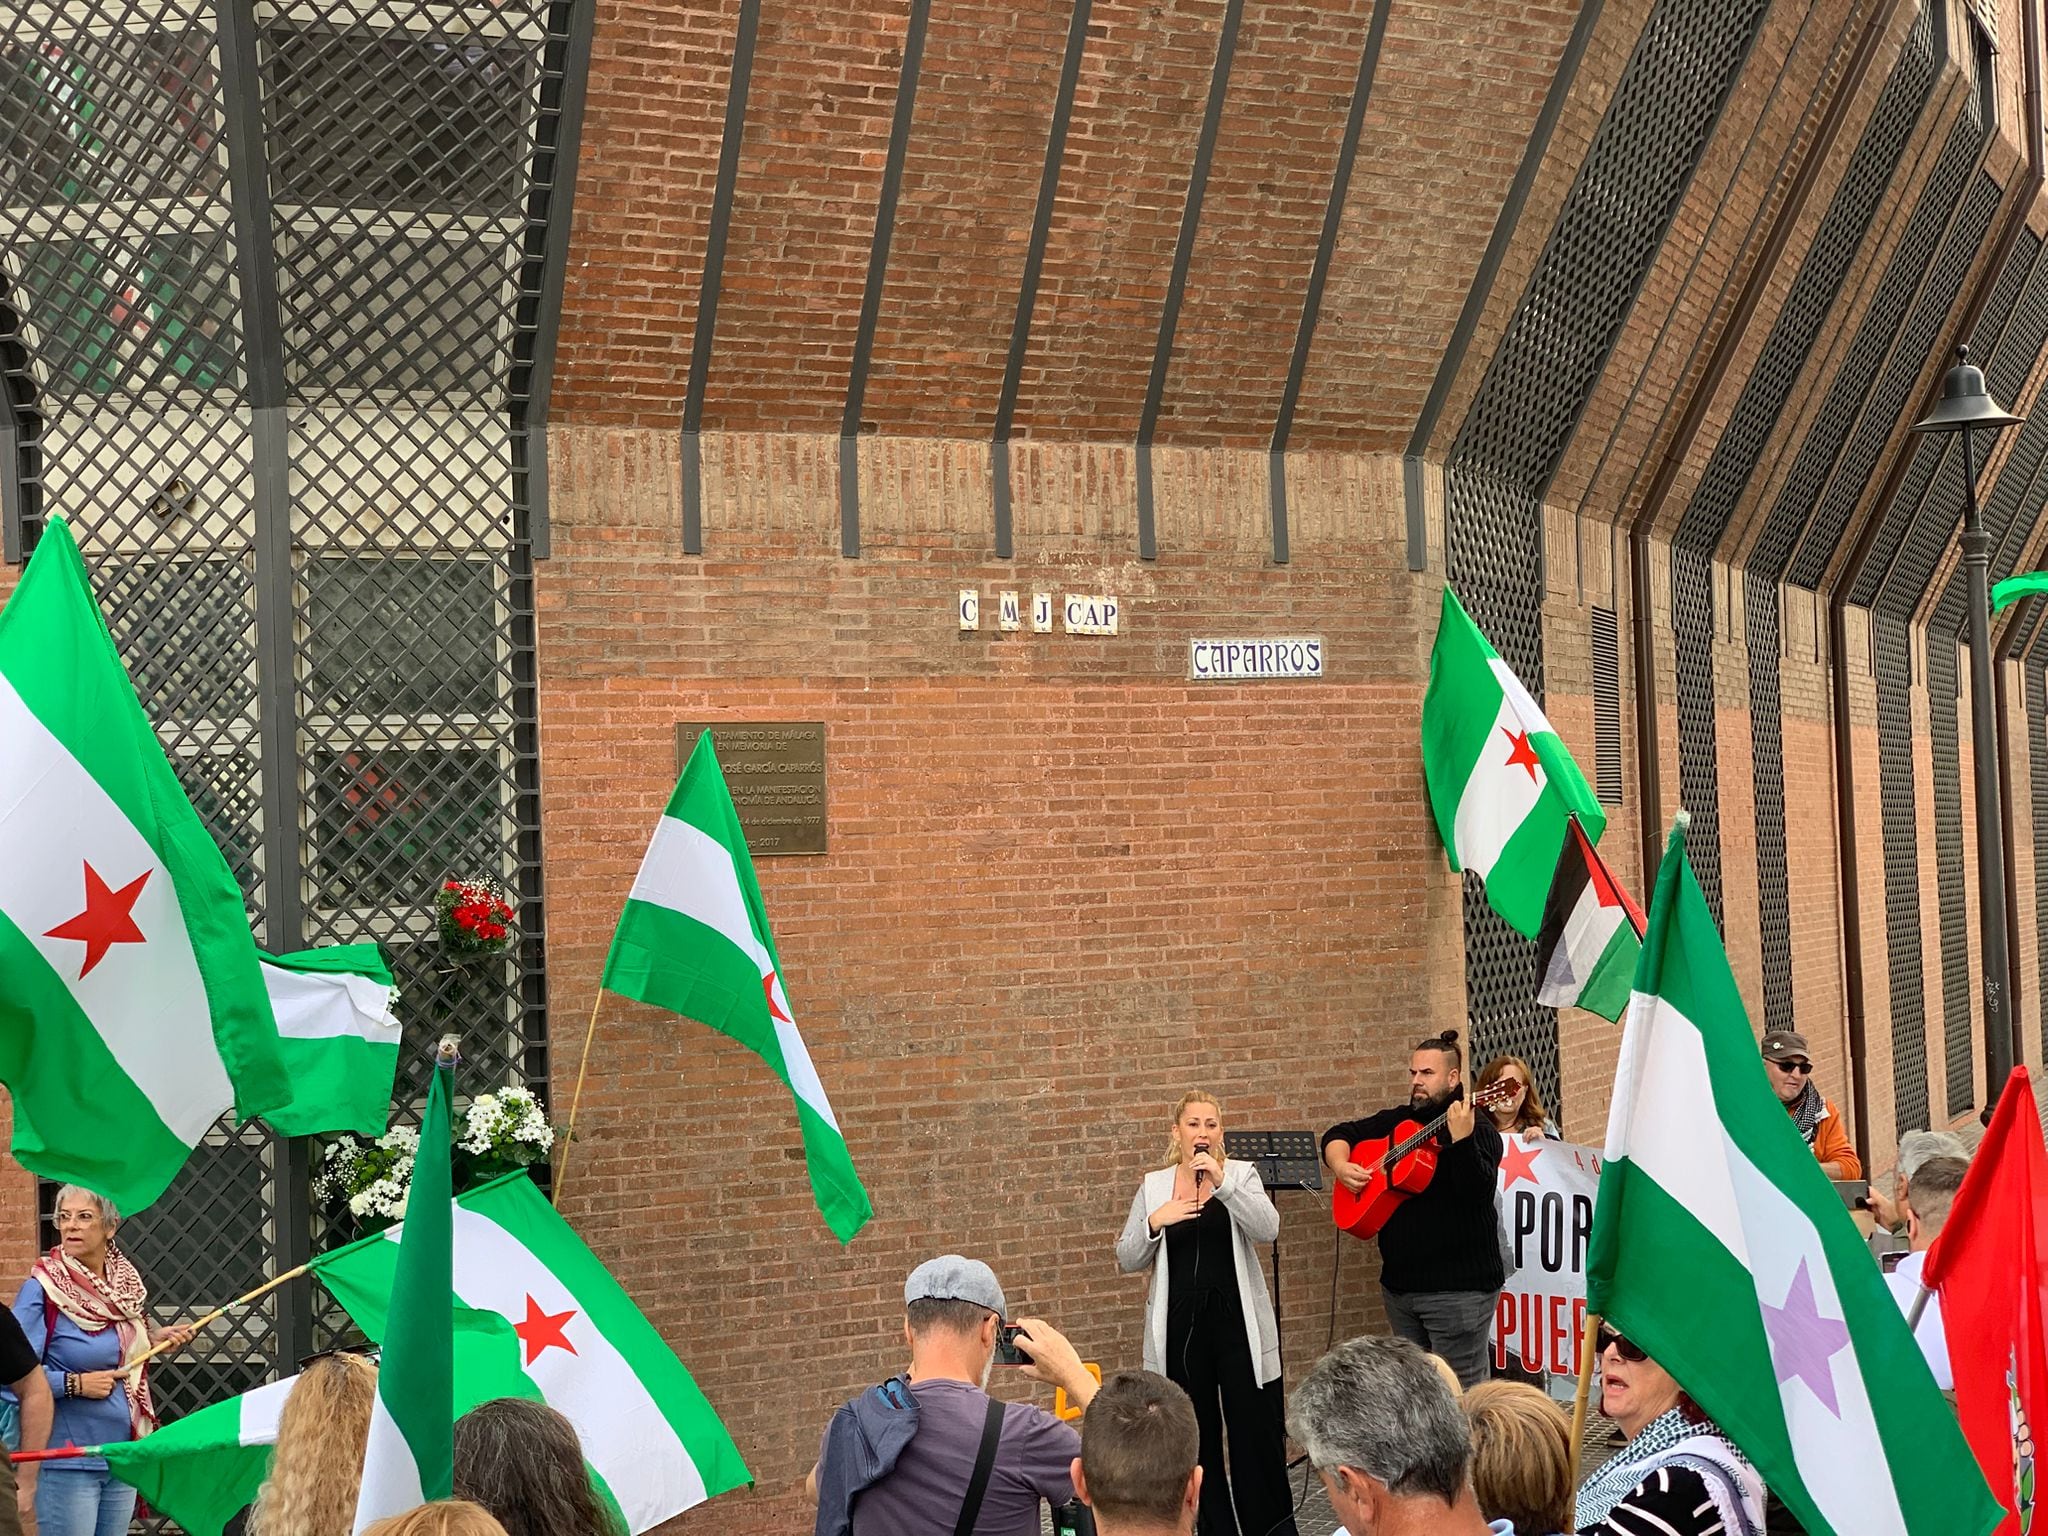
1670,1501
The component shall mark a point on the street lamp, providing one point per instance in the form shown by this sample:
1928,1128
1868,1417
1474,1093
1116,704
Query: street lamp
1967,408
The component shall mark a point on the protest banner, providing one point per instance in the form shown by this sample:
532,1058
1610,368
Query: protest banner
1546,1193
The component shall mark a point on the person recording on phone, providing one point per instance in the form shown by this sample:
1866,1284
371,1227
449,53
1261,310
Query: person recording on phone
1209,1324
929,1452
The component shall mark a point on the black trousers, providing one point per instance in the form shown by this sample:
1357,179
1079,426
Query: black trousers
1209,1356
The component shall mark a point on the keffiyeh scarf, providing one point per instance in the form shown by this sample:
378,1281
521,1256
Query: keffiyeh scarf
120,1302
1807,1110
1673,1440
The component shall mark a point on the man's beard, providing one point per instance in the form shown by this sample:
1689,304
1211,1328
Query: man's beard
987,1369
1417,1099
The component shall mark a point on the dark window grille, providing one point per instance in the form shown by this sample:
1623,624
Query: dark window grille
406,188
1607,783
2037,783
1550,358
1692,633
1761,623
1891,642
1942,674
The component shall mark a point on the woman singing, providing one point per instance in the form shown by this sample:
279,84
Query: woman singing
1521,1113
85,1310
1208,1320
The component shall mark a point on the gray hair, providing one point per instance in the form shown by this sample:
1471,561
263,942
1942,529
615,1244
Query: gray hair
1917,1147
1378,1406
99,1202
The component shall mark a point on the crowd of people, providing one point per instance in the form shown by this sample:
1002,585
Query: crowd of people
1407,1433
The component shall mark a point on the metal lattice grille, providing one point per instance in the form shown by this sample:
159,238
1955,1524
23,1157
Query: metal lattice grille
1535,389
1692,633
1793,509
1740,448
1606,707
1813,294
1896,392
1891,655
1942,679
270,283
1767,751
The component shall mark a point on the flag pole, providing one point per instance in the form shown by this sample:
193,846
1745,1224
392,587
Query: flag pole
1588,1353
225,1307
576,1101
1919,1306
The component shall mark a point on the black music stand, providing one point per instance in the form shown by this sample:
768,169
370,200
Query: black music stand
1285,1160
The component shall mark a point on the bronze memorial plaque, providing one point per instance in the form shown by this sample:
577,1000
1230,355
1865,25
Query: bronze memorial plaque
776,769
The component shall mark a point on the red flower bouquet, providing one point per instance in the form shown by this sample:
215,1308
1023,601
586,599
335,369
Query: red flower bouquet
476,918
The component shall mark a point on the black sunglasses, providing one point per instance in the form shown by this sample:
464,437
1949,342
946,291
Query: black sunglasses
1609,1339
1795,1066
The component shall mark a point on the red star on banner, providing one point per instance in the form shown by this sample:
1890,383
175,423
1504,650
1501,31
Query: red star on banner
543,1330
1521,754
1518,1160
768,991
106,921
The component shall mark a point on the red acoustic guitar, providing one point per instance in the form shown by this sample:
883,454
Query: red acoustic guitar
1401,1165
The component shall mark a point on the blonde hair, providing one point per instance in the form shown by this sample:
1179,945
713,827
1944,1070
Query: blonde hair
1530,1113
1521,1455
1443,1368
316,1468
443,1517
1192,1096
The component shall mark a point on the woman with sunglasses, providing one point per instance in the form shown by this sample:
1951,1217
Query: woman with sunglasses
1678,1475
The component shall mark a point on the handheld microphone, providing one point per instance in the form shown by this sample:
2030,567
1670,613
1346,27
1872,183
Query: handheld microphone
1201,1147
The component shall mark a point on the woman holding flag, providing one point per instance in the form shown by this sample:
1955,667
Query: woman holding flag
85,1310
1678,1475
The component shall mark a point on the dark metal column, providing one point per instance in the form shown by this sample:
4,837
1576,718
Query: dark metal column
1990,826
276,670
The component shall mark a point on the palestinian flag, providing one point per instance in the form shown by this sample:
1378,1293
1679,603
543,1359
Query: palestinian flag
694,939
565,1333
410,1459
1721,1249
204,1468
1500,782
1592,933
338,1038
132,1014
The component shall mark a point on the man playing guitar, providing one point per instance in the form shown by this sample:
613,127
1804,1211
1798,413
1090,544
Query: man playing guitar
1440,1251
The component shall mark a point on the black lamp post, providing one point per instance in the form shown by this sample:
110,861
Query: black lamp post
1966,408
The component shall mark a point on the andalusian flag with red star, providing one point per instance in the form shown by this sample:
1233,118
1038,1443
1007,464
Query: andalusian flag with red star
694,939
1500,781
537,1316
132,1010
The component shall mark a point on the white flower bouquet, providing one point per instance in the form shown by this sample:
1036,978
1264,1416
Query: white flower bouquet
500,1132
368,1182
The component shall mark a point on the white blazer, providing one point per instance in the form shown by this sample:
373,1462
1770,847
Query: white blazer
1252,1220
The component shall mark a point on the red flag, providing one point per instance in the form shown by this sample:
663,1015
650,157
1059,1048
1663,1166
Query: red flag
1990,1264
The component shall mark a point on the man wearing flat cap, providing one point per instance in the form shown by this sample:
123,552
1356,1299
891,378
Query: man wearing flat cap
1789,1065
930,1453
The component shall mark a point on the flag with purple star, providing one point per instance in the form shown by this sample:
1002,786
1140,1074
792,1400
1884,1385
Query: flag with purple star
1720,1248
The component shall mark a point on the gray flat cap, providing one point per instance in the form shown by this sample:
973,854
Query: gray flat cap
951,1277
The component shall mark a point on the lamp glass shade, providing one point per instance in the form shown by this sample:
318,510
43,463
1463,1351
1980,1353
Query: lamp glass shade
1966,403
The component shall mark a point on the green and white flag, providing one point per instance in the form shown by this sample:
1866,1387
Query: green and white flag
205,1467
338,1037
567,1334
1500,782
694,939
1721,1248
411,1455
132,1013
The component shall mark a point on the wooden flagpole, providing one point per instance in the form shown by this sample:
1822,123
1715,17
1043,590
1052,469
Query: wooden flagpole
575,1103
1588,1353
225,1307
